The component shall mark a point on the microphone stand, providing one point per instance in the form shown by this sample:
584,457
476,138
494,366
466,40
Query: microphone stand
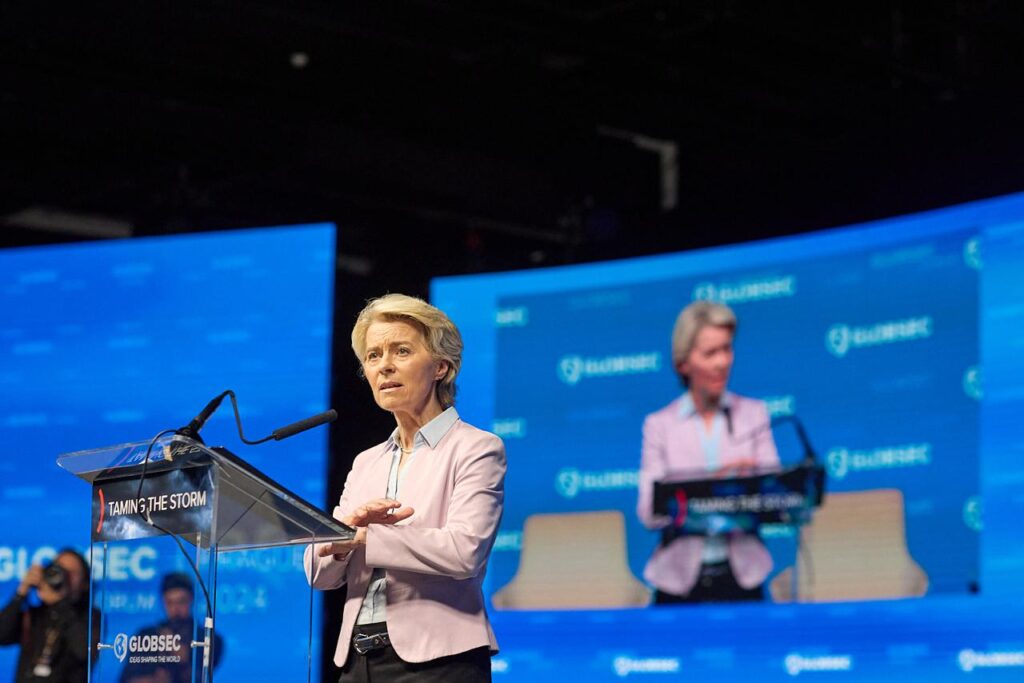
810,461
191,431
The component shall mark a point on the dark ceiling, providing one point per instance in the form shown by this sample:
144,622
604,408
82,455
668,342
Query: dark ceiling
451,137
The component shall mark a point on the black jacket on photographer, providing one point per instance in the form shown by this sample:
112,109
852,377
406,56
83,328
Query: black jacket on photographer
64,626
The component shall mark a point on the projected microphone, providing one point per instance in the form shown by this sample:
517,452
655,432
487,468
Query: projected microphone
810,457
748,436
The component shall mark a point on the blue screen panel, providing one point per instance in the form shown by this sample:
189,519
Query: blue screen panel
877,336
105,343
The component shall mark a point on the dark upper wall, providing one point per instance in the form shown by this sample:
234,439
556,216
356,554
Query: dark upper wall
449,137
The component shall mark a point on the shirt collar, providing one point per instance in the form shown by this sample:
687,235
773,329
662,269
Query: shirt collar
432,432
687,408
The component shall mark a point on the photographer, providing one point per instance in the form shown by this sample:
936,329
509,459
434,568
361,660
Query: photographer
54,635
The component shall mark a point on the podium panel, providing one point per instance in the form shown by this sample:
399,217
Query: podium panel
152,610
178,531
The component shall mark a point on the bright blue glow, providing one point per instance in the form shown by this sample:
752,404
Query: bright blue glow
813,339
105,343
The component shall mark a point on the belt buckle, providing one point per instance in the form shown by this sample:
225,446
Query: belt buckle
363,643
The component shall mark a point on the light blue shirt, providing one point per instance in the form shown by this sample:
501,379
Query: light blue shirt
374,608
710,441
716,548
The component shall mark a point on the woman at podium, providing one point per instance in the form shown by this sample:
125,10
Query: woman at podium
415,609
706,432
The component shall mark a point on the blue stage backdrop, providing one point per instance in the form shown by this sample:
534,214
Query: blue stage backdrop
876,336
104,343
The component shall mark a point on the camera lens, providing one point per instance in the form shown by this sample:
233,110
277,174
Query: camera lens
54,576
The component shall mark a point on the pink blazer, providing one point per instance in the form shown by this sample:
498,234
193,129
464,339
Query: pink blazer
436,559
671,449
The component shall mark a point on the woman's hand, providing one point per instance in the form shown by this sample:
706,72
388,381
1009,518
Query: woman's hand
33,579
738,468
342,548
380,511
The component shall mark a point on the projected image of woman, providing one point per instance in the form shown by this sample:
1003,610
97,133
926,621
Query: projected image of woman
414,609
708,431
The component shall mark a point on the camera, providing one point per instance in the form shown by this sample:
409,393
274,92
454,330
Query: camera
55,576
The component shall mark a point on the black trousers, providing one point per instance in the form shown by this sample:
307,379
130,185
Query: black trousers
716,583
385,666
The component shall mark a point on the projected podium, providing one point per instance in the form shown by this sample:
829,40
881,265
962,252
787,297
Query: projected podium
784,496
708,506
222,508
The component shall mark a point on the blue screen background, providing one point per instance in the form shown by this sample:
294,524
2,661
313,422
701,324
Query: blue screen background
928,409
105,343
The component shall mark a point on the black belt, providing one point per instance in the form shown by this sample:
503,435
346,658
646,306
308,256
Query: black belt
715,568
713,572
368,642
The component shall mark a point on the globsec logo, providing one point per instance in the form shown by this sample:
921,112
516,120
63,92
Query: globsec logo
838,460
780,406
15,560
796,664
121,646
512,317
969,660
705,291
748,290
625,666
510,428
841,461
508,541
118,563
570,369
574,368
972,513
568,482
972,252
152,645
840,338
972,382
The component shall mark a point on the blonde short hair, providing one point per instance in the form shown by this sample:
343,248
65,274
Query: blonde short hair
691,321
440,334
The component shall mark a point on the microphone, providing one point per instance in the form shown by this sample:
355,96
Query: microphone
191,430
810,455
302,425
281,432
727,410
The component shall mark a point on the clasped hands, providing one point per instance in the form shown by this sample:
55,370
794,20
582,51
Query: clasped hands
380,511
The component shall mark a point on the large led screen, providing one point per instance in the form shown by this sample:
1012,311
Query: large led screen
107,343
895,345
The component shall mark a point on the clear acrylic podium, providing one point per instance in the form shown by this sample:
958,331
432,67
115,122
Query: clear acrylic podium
221,508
